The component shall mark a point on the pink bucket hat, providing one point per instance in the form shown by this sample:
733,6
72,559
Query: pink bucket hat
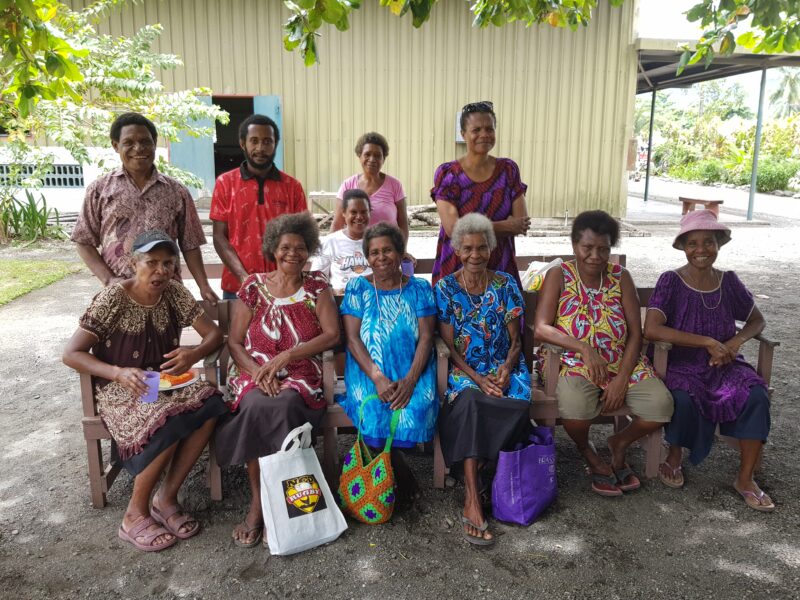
701,220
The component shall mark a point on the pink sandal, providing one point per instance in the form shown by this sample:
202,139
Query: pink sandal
175,528
757,501
149,537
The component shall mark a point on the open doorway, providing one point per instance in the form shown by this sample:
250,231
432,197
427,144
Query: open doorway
227,153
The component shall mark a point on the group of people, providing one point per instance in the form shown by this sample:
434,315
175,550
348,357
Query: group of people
283,281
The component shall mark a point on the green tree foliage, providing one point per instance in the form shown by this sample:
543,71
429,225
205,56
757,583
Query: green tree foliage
785,100
64,83
718,98
774,27
308,16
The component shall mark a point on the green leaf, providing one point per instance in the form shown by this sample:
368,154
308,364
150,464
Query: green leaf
747,40
687,54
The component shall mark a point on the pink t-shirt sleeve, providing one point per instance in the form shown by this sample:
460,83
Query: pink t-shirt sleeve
396,189
348,184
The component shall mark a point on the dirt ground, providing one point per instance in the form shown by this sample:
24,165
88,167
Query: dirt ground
654,543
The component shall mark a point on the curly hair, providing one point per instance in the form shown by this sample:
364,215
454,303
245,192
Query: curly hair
132,118
302,224
258,120
355,193
372,138
384,229
473,223
598,221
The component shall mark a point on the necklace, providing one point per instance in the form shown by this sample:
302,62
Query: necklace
466,289
703,294
378,300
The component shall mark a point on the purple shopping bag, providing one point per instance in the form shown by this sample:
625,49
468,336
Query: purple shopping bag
524,484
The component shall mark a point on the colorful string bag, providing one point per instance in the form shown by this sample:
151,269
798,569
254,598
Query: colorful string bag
366,487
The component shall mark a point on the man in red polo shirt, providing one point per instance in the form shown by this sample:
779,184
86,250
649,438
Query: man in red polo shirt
246,199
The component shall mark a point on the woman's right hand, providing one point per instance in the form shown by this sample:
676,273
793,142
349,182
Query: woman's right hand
488,386
519,225
265,380
132,379
385,387
719,353
596,365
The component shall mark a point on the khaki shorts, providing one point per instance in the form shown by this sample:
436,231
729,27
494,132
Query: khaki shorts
579,399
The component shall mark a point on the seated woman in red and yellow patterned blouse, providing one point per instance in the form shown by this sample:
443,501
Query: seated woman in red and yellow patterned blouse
589,307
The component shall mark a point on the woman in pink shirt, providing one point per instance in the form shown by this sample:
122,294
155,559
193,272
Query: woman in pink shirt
386,195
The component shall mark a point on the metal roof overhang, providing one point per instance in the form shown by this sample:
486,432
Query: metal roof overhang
658,65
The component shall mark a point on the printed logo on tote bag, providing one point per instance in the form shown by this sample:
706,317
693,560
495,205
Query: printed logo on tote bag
303,496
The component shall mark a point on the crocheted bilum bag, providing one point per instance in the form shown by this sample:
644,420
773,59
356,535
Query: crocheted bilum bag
366,487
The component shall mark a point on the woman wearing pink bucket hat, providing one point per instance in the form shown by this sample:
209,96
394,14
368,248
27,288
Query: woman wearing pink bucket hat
695,308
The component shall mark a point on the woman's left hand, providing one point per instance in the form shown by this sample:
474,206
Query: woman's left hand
401,396
180,360
273,367
501,377
614,395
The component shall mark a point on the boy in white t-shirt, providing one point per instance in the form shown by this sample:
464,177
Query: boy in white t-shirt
341,256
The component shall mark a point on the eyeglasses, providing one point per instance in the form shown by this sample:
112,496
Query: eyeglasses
483,106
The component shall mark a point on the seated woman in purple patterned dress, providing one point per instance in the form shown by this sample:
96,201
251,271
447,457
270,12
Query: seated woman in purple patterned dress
695,308
479,182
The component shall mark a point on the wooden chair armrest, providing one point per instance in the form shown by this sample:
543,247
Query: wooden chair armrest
211,359
327,356
552,366
767,341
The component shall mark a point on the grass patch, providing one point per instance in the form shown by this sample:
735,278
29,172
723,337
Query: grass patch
18,277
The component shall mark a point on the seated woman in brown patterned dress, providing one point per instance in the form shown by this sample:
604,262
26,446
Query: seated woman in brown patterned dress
280,325
132,327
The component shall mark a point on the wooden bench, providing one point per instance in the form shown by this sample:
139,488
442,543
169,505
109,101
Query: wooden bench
103,471
689,204
544,409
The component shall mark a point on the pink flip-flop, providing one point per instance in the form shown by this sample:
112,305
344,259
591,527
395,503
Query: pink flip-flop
175,527
149,537
756,501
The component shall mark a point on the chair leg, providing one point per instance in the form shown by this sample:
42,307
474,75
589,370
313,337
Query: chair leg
214,472
438,463
654,453
97,486
329,458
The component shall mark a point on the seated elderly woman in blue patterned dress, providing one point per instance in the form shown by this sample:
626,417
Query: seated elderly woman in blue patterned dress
389,321
488,387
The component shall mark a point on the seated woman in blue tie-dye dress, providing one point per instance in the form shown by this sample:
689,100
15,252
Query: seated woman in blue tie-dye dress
389,322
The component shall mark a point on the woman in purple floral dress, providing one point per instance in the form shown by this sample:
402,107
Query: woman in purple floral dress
695,308
479,182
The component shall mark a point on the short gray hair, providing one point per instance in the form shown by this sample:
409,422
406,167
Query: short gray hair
473,223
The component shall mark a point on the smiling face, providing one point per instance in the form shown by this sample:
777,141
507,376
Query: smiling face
383,257
371,158
474,252
356,217
291,254
153,270
136,148
701,248
259,147
479,133
592,252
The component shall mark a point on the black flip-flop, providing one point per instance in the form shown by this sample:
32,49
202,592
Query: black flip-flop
475,540
622,474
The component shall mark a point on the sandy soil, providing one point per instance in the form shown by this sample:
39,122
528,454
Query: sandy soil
655,543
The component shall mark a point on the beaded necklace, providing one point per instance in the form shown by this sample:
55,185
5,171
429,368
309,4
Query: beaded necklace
483,295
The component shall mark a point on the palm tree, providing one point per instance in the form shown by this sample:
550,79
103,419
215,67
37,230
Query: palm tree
785,100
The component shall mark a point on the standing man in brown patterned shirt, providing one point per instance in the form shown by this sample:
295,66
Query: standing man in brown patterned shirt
136,198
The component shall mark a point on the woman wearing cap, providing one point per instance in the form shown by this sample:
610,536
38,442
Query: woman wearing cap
132,327
479,182
695,308
385,193
281,324
589,307
341,256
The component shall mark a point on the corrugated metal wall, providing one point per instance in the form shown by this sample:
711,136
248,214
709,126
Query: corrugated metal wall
564,99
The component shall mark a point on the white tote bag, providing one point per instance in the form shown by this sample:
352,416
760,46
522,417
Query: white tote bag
299,510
